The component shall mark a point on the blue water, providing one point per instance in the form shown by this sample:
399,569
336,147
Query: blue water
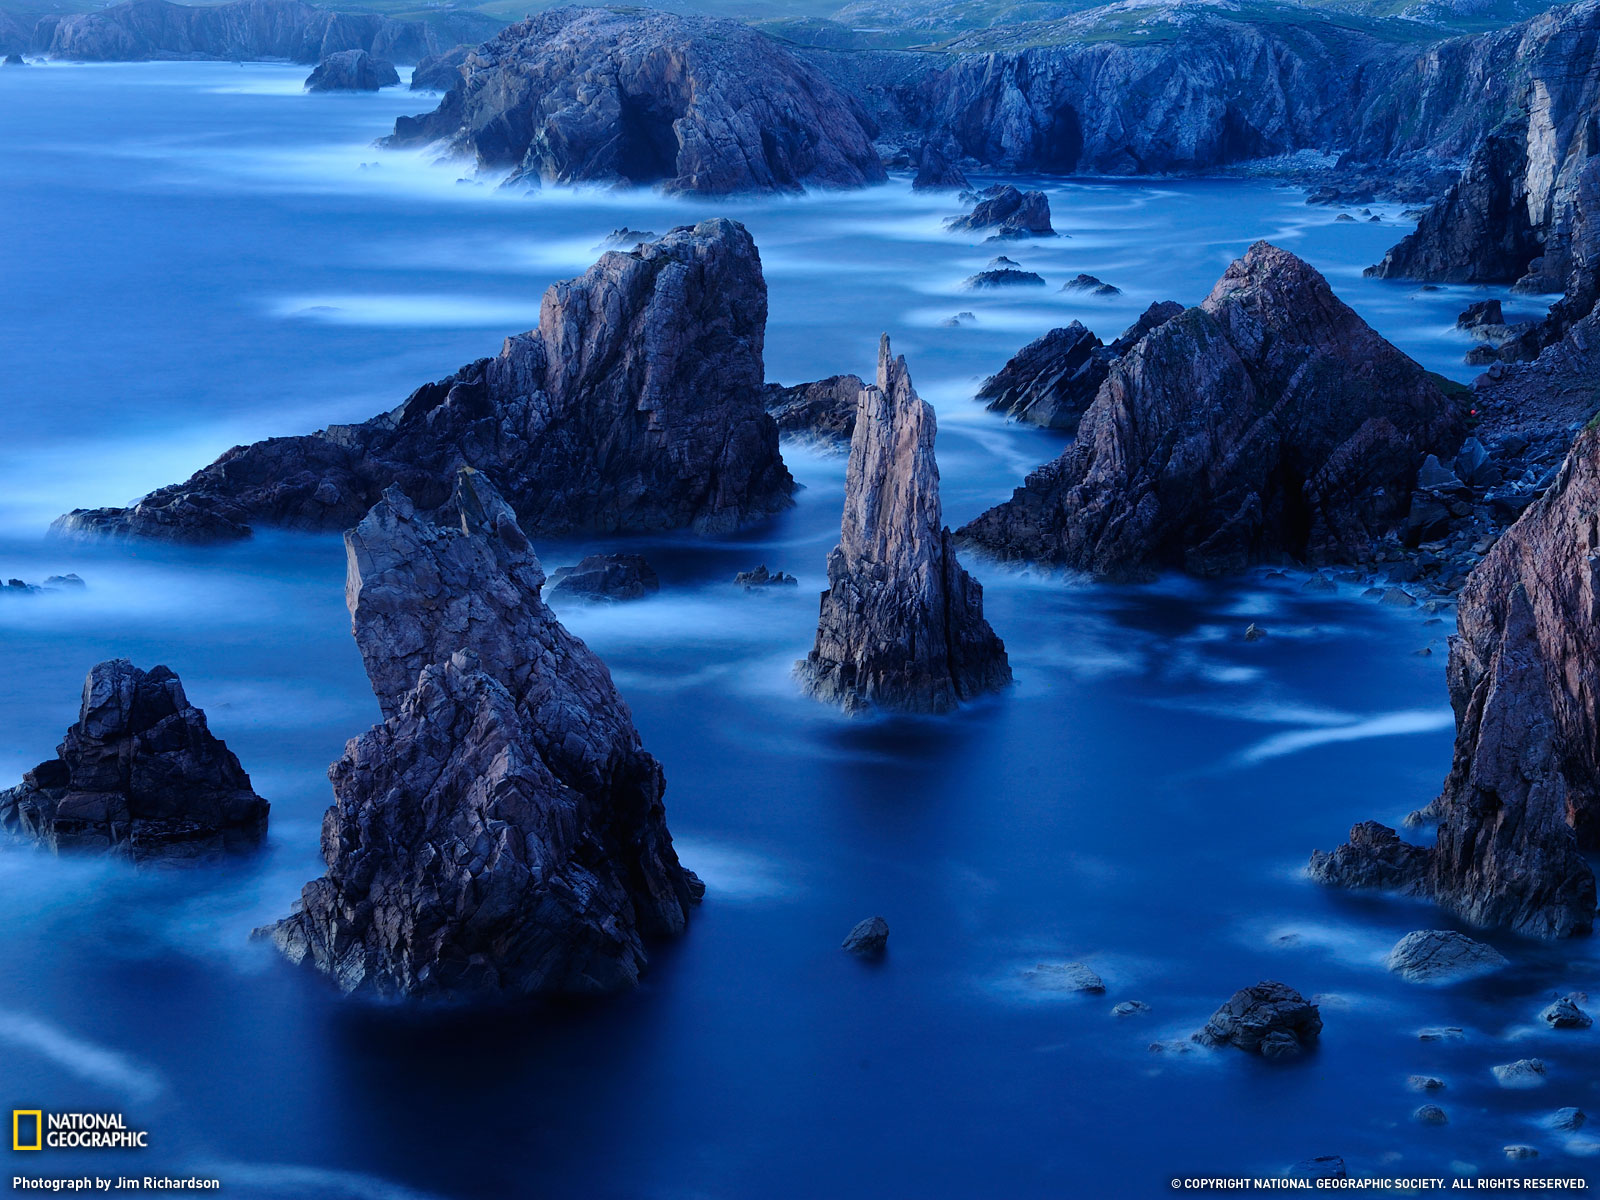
195,255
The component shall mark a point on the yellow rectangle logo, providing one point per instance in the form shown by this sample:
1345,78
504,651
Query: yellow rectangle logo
17,1116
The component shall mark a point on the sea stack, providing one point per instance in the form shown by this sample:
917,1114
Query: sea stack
1521,805
901,625
501,833
140,775
1269,423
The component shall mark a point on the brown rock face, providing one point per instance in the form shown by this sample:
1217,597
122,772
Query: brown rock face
1269,423
140,774
585,95
636,405
502,832
1522,801
901,624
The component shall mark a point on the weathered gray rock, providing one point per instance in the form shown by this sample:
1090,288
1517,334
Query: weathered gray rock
1566,1014
1524,1073
635,405
606,577
936,171
1269,423
140,774
1089,285
352,71
824,410
1129,1008
1430,1114
1567,1119
1001,277
502,832
1064,977
1518,1151
868,938
762,578
1425,1083
1481,313
1006,214
591,95
1269,1018
440,72
1442,956
901,625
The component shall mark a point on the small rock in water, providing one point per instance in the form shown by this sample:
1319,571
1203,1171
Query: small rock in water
1430,1114
999,262
1324,1166
1568,1119
1088,283
1319,583
1442,956
1441,1033
761,577
1004,277
957,321
1176,1046
1565,1014
1524,1073
1520,1151
607,577
1424,1083
869,938
1270,1019
64,581
1064,977
1129,1008
1254,632
1397,598
625,239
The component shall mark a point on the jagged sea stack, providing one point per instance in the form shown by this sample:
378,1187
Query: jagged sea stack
902,624
140,775
501,834
1521,805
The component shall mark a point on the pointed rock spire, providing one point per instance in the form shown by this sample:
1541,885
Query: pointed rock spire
901,625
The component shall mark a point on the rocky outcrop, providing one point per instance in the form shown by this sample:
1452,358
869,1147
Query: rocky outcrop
1521,804
352,71
440,72
606,577
243,29
1001,277
1442,956
1090,285
901,625
868,939
502,832
1052,380
140,774
936,171
1269,423
824,410
1010,214
760,579
589,95
635,405
1270,1019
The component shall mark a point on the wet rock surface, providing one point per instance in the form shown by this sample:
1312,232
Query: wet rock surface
1269,423
868,939
761,578
1005,213
606,577
352,71
901,625
635,405
1269,1018
824,410
140,774
1442,956
502,832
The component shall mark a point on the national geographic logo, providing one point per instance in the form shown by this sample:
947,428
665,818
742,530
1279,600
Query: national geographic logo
34,1129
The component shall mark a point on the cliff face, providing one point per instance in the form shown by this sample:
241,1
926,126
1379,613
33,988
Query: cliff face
587,95
636,405
243,29
1268,423
1522,801
502,832
901,625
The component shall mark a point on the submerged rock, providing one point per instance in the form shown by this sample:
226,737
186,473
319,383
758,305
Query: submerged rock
868,938
901,625
763,578
1567,1119
1565,1014
1009,213
606,577
1430,1114
1268,1018
635,405
1001,277
1129,1008
140,774
502,832
694,104
1065,977
1269,423
824,410
1524,1073
1442,956
352,71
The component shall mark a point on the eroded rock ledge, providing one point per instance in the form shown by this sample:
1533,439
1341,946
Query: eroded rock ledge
901,625
635,405
502,832
1269,423
1521,804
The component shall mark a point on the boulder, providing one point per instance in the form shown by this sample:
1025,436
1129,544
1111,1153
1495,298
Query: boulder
1565,1014
1270,423
1424,1083
1442,956
1270,1019
636,405
501,833
140,774
1430,1114
868,938
352,71
901,625
606,577
1007,212
824,411
1129,1008
1524,1073
690,103
1480,314
762,578
1002,277
1568,1120
1065,977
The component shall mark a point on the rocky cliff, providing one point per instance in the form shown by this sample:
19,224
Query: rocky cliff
1521,805
589,95
901,625
635,405
1269,423
502,832
139,774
